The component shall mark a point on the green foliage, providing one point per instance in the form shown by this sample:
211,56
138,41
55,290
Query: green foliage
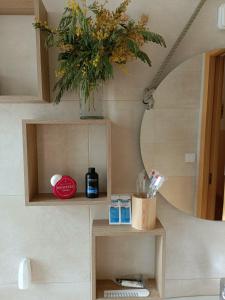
90,40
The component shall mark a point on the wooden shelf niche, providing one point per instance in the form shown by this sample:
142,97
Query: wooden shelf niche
24,65
119,250
66,148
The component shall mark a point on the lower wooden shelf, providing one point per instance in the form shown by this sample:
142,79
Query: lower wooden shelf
103,228
80,199
102,285
101,232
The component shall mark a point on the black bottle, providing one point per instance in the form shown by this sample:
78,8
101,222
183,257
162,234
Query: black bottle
92,187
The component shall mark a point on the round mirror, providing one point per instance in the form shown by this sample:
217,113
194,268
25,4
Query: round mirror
183,136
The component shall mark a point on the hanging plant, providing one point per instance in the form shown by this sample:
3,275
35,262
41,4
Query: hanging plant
91,40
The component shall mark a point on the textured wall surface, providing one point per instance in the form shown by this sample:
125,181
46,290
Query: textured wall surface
57,238
18,75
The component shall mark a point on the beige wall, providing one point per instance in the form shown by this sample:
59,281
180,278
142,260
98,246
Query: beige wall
57,238
18,75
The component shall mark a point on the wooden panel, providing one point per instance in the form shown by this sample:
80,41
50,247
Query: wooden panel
216,52
103,228
206,122
103,285
69,122
210,122
42,54
143,212
93,266
215,136
18,99
30,161
220,178
109,157
80,199
160,261
16,7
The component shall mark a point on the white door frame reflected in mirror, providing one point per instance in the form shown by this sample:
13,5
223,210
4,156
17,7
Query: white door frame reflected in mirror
186,119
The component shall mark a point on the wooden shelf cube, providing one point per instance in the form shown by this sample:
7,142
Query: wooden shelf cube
102,233
66,148
37,9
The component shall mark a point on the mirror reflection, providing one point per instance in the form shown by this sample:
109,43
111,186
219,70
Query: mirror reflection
183,137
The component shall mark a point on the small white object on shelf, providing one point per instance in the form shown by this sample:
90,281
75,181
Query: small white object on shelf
24,274
221,17
140,293
130,283
55,178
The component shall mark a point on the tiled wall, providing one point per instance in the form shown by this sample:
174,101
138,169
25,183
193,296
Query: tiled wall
57,238
18,70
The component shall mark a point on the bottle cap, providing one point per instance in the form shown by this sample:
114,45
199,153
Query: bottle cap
91,170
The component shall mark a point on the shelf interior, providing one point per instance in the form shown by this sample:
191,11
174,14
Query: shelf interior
67,149
18,63
115,255
102,285
24,70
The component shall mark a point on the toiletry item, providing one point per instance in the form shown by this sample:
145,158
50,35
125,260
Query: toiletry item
142,183
132,283
65,188
131,293
125,209
149,184
92,186
24,274
55,178
114,210
155,182
120,210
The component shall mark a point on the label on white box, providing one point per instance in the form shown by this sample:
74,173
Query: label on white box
120,210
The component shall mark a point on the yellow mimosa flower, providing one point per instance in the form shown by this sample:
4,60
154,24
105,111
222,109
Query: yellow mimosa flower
66,47
78,31
144,20
73,5
96,60
60,73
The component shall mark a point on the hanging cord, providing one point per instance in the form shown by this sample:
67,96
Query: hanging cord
148,98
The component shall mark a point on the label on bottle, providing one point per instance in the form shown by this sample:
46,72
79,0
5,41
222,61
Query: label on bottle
92,186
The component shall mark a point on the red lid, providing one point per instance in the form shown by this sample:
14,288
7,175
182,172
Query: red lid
65,188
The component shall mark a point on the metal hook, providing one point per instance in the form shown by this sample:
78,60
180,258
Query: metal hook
148,99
